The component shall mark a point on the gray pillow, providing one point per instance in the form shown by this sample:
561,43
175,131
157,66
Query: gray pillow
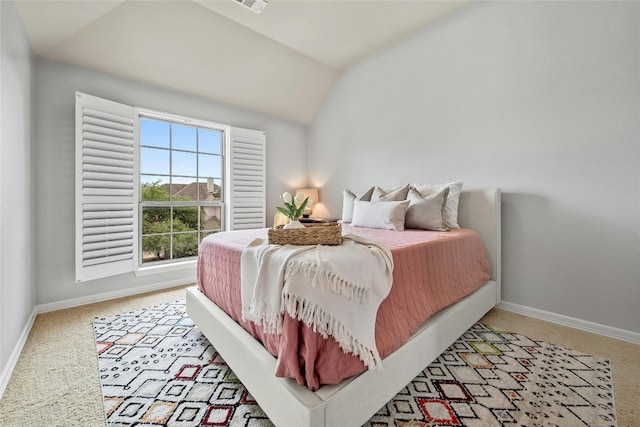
451,210
426,212
392,195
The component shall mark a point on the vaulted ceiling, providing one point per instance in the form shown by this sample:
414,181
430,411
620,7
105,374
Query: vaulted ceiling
281,62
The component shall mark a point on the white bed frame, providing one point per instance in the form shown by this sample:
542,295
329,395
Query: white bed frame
355,400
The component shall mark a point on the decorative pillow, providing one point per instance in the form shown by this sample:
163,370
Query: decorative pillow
348,198
393,195
385,215
451,209
426,213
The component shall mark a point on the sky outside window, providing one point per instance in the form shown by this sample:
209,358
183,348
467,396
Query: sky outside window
181,151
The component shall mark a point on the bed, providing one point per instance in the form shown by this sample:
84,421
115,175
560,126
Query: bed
354,400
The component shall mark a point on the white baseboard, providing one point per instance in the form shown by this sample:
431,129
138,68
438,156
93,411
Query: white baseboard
15,354
583,325
107,296
75,302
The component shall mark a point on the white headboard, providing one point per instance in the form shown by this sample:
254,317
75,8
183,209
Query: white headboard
480,210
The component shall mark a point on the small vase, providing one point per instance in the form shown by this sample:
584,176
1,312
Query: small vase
293,224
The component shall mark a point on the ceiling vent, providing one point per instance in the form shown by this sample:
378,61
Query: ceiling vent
255,5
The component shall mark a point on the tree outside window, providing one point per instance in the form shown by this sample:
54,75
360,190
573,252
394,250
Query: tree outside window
180,188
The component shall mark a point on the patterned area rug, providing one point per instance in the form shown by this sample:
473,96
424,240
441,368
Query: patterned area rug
157,369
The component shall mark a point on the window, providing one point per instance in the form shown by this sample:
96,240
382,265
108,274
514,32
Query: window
150,187
181,187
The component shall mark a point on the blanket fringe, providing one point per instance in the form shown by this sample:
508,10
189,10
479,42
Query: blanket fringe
263,315
317,318
328,281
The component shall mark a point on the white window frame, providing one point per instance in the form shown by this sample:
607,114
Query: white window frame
244,187
181,120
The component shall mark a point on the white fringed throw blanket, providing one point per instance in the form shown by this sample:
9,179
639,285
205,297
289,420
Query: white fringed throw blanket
336,290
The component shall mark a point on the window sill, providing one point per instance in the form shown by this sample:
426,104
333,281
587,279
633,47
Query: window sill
157,269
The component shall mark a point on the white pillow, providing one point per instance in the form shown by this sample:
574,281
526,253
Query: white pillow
392,195
451,209
348,198
426,213
385,215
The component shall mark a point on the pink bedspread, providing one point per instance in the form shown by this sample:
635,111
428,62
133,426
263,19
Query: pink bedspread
432,270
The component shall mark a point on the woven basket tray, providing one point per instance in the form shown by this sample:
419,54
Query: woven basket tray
312,234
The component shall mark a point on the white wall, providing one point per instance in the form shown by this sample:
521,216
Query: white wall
16,248
54,148
541,99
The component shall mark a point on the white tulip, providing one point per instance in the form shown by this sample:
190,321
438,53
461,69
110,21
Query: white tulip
286,197
300,197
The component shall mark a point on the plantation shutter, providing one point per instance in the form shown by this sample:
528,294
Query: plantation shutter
246,186
106,205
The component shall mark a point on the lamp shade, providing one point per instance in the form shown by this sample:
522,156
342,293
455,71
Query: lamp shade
311,193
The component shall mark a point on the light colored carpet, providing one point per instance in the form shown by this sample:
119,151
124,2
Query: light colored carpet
55,382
